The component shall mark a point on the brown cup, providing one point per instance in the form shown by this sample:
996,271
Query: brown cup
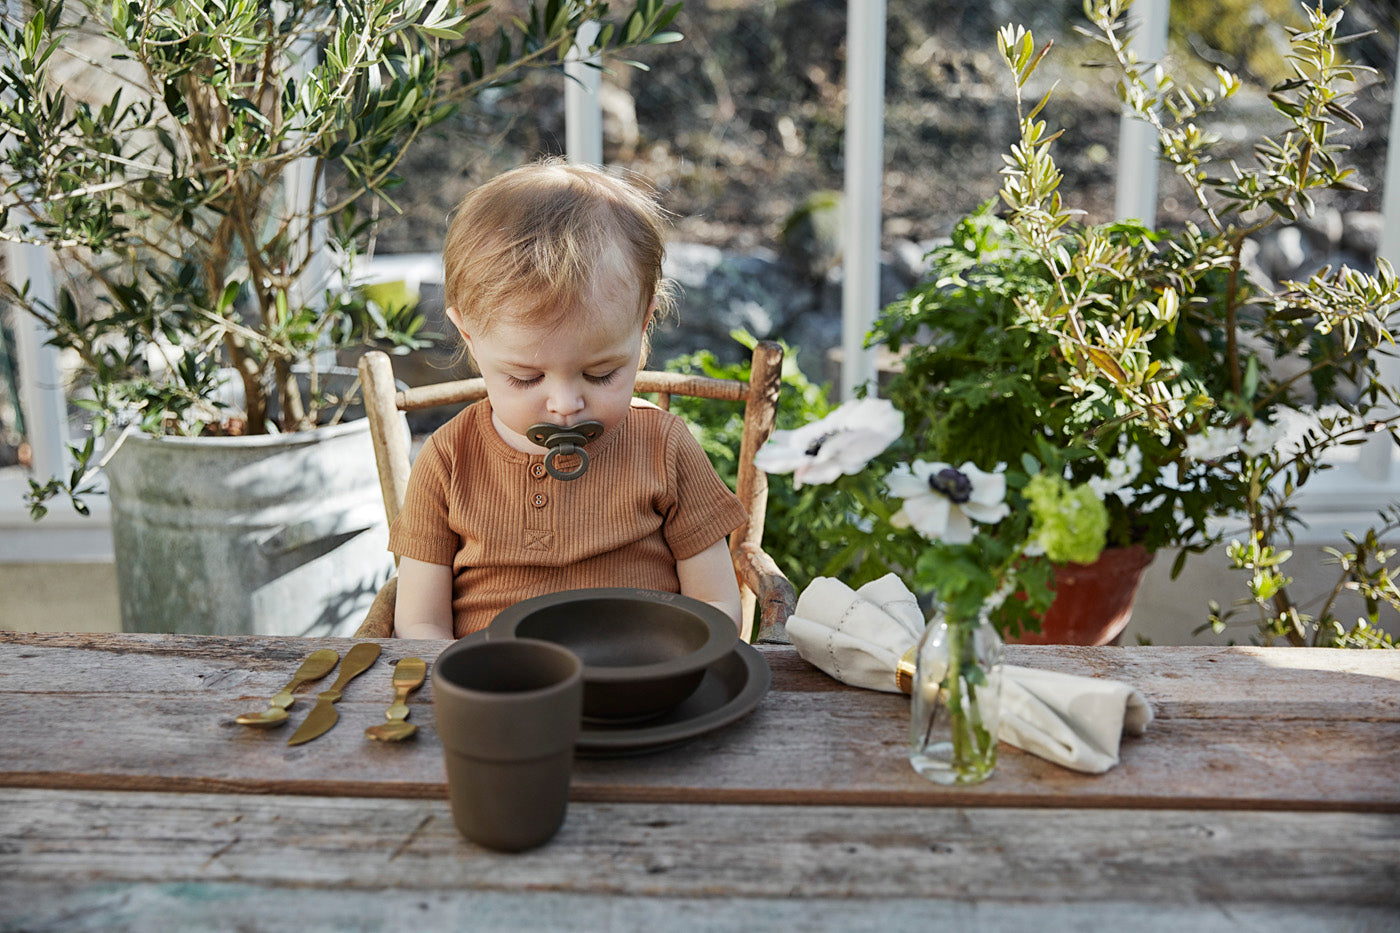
508,714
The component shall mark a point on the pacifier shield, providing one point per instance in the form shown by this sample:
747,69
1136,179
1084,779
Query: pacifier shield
564,441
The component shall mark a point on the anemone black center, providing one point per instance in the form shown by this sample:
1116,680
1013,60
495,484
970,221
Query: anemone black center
952,483
815,447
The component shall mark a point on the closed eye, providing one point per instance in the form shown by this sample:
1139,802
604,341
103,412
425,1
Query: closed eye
518,383
604,379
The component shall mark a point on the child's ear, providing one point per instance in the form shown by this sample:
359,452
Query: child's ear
455,317
646,334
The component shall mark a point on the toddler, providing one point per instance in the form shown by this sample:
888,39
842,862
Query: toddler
553,275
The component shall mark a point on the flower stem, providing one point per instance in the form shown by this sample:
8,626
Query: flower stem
957,713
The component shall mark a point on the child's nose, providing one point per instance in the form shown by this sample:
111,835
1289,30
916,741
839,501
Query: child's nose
565,399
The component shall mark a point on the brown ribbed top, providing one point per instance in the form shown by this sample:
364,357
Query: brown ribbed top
511,531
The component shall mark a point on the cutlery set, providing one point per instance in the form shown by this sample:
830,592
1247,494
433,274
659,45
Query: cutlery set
409,674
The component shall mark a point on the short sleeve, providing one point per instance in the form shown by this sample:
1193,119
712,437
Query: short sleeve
702,509
421,530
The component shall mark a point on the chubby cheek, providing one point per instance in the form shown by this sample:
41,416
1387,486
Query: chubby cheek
518,409
612,417
613,408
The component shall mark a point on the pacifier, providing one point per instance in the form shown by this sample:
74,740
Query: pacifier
566,442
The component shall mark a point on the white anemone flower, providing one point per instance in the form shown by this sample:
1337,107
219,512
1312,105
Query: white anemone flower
842,442
941,502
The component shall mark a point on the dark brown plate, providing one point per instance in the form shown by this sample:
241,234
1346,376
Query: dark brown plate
729,690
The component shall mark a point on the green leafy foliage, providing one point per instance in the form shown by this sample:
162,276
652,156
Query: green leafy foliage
189,208
1069,522
978,381
1240,387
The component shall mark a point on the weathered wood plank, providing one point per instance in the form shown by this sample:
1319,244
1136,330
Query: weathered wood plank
74,840
1209,682
1237,728
218,907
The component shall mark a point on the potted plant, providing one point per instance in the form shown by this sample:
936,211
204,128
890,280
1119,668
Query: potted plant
1115,390
977,385
209,257
1237,390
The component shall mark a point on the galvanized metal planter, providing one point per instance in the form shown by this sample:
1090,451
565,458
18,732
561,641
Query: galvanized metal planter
266,535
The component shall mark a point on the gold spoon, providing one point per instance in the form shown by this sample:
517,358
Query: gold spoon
408,676
317,665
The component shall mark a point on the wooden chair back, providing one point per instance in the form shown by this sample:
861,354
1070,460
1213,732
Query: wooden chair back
762,585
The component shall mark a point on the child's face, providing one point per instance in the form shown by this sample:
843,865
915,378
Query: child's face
561,375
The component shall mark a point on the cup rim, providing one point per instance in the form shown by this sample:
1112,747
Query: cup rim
443,684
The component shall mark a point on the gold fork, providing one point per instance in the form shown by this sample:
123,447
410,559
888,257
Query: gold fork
408,676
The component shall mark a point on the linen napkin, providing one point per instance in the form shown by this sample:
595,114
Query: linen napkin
859,636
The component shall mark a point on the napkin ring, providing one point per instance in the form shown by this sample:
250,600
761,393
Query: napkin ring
904,670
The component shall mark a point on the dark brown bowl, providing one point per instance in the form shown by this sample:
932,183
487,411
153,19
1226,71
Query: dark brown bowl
643,651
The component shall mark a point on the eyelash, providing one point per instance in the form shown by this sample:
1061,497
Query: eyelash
518,383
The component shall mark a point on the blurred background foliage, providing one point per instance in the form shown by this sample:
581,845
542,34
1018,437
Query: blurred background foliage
741,123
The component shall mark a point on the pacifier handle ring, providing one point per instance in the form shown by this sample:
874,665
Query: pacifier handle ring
566,449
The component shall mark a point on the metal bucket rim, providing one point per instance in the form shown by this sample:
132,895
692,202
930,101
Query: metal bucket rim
315,435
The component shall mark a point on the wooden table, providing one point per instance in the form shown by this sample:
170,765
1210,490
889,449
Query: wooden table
1266,794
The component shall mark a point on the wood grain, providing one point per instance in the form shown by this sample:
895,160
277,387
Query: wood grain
1237,728
386,430
470,390
83,846
216,907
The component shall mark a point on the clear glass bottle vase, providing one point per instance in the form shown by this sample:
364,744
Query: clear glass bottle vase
956,701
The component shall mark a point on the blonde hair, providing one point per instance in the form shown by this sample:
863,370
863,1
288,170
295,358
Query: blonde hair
541,233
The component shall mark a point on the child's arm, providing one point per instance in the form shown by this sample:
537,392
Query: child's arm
423,606
708,577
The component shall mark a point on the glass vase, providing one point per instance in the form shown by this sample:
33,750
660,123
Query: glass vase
956,701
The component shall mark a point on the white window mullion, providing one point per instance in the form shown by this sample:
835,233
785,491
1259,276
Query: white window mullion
41,384
863,144
1377,460
583,116
1138,145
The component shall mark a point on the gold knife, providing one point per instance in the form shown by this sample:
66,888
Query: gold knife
323,715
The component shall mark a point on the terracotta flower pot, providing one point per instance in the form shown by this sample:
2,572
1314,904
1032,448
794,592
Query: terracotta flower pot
1093,602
